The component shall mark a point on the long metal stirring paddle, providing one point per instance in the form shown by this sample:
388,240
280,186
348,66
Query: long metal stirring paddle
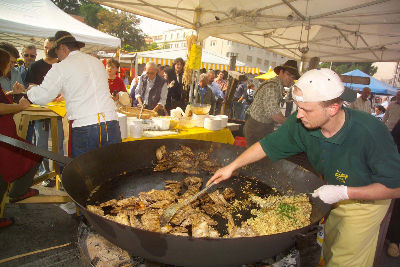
141,110
169,213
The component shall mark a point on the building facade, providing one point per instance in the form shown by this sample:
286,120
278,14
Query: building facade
252,56
388,72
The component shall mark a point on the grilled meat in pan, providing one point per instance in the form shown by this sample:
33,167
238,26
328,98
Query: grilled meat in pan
185,161
202,218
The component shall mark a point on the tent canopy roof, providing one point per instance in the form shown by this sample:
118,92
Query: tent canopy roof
31,21
375,85
338,31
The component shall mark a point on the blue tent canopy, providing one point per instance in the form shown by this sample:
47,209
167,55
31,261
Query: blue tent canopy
376,86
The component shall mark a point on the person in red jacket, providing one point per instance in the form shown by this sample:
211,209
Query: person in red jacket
115,83
17,167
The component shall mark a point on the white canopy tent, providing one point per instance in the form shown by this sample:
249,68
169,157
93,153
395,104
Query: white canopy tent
31,21
338,31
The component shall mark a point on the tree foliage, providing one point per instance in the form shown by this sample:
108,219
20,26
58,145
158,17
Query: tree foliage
89,12
70,6
119,24
344,67
152,46
122,25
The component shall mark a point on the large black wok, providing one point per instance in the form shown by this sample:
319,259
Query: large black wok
121,166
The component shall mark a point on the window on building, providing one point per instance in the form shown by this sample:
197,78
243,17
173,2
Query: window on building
251,47
266,63
249,59
213,43
176,45
229,42
184,44
177,35
259,60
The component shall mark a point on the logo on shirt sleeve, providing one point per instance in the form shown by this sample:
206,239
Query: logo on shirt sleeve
341,177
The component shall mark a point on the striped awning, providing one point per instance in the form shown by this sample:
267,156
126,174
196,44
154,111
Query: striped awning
161,61
248,70
207,66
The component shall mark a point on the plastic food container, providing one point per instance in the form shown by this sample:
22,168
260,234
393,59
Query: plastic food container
186,123
200,109
162,123
199,120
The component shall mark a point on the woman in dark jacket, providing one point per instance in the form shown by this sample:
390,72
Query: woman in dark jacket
181,96
17,167
174,97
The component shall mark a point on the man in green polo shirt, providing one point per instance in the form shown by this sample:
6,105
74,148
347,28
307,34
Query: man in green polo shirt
353,151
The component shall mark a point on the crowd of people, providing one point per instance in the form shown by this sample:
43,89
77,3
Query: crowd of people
353,151
166,91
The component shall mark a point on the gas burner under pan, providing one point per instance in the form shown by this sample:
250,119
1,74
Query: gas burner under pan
96,251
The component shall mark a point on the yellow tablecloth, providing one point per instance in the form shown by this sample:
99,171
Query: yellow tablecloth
221,136
56,107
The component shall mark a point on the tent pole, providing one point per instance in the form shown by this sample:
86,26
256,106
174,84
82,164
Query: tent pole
136,66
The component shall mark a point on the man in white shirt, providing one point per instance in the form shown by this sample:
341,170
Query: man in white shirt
151,90
82,80
362,103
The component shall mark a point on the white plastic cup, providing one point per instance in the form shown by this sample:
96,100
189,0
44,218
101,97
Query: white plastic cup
218,123
136,129
224,119
212,124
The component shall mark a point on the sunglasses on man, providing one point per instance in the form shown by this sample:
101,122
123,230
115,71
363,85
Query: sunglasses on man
28,55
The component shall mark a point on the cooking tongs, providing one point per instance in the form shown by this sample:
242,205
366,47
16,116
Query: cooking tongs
172,209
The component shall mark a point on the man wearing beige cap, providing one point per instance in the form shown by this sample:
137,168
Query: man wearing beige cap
82,80
265,112
353,152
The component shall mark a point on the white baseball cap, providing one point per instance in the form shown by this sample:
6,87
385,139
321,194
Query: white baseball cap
321,85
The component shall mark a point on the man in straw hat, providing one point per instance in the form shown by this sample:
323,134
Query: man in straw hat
354,153
82,80
264,112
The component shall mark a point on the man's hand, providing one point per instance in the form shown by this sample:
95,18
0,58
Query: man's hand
24,103
115,97
140,102
18,88
158,107
30,86
59,98
220,175
331,193
171,84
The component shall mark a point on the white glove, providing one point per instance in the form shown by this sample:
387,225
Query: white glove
331,193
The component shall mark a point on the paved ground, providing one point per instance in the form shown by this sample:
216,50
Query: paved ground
40,226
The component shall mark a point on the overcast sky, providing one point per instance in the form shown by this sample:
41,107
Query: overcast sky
153,27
